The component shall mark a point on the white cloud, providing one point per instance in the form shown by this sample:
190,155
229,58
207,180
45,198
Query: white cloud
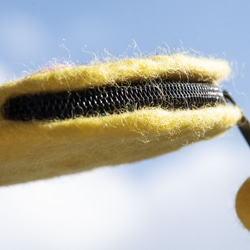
97,205
184,205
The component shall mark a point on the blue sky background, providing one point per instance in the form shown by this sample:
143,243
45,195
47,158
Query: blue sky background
183,200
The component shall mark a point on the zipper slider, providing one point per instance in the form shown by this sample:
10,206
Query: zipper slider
243,124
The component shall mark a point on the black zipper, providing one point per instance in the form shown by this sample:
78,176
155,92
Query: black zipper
100,101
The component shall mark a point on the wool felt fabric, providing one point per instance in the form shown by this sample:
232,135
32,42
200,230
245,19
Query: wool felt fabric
42,149
243,203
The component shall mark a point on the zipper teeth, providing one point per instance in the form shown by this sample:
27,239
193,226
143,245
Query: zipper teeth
112,99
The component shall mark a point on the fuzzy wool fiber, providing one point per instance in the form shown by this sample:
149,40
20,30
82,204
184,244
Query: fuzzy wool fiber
42,149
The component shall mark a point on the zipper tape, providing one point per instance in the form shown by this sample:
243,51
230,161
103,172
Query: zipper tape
101,101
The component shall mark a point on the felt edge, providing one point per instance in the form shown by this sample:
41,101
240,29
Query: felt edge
173,67
242,204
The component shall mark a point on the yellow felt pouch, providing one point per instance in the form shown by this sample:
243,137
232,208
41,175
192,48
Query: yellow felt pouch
59,120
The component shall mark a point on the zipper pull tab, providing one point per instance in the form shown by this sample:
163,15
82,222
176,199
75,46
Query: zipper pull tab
243,124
